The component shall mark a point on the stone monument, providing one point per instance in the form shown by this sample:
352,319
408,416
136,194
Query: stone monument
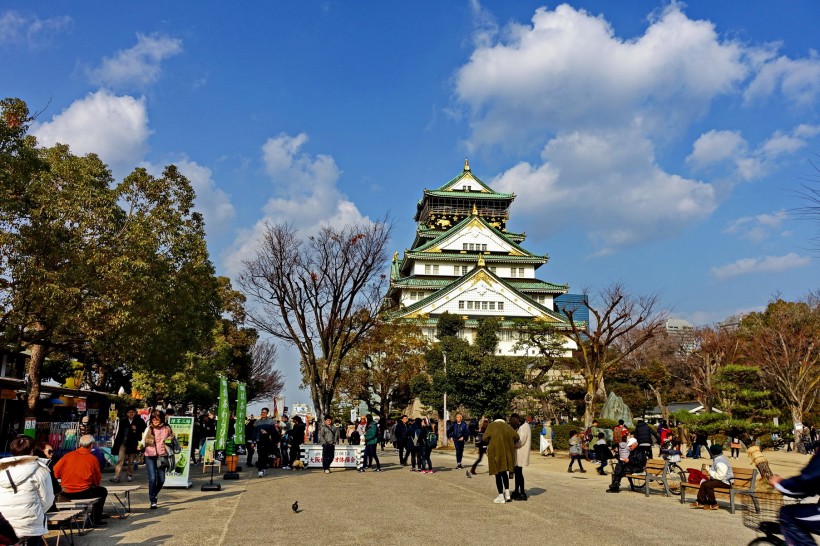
615,409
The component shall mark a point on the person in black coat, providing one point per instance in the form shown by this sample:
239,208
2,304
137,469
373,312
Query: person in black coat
297,437
401,439
644,434
129,432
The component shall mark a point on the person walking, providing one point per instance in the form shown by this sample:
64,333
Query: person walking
430,443
576,451
371,440
250,445
501,439
546,439
266,437
328,438
157,440
129,431
480,444
522,455
413,443
458,433
26,493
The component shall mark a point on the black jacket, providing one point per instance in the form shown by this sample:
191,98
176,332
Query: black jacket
644,433
401,432
128,434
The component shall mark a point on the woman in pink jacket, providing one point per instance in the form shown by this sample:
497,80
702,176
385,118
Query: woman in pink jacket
157,440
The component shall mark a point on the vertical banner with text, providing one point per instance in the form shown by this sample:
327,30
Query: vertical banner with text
241,412
223,420
183,428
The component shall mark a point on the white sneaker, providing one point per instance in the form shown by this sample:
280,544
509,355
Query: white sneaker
130,478
507,497
327,471
261,473
500,499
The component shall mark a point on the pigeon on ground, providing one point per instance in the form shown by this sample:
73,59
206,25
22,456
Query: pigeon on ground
295,507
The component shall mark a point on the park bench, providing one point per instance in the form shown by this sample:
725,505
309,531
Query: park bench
655,472
87,510
743,483
65,520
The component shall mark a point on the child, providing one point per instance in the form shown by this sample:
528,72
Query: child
602,453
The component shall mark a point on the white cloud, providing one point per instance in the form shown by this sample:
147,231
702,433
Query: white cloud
113,127
758,228
139,65
717,146
305,195
214,204
768,264
720,148
798,80
609,183
568,71
16,28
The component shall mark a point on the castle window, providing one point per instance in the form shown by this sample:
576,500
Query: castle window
464,246
501,306
484,248
461,304
513,271
492,306
521,272
469,304
492,268
483,305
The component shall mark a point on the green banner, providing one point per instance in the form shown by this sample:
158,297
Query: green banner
241,411
223,416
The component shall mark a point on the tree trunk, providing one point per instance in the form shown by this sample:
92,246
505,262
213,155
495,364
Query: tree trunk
35,365
797,417
659,399
589,401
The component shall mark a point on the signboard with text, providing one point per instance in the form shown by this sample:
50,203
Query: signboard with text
346,456
183,428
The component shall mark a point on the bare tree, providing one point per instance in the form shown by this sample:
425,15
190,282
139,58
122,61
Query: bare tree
621,323
784,341
322,294
266,380
714,348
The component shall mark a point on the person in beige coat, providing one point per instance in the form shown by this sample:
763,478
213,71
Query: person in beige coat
501,439
522,454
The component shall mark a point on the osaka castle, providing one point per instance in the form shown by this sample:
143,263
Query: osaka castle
464,261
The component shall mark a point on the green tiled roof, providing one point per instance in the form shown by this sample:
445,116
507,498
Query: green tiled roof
535,285
471,195
466,220
489,258
461,175
452,286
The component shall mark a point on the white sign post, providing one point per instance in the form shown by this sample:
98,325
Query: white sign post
346,456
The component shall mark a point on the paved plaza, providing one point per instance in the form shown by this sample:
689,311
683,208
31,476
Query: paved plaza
397,506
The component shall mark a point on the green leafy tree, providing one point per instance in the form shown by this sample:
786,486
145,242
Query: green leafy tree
545,347
378,371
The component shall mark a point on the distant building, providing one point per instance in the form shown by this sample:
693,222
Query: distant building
683,334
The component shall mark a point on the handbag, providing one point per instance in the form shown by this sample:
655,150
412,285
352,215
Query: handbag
165,462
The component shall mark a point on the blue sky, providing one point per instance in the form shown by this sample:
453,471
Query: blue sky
659,144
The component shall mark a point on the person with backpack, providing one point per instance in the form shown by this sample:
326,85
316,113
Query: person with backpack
371,439
414,441
428,433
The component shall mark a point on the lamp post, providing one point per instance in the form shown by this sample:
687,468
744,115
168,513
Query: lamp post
443,428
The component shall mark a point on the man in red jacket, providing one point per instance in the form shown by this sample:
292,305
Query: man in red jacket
79,475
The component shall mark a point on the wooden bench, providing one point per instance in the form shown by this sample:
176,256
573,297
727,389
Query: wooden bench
743,482
65,519
85,505
655,472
